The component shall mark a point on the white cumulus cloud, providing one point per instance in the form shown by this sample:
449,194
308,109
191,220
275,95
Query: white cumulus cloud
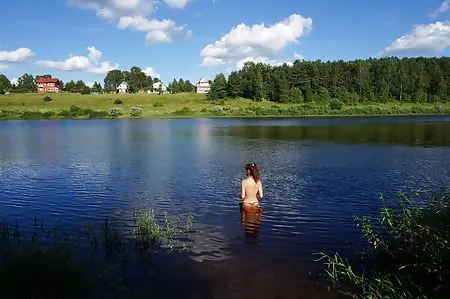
428,38
177,3
298,56
261,59
89,63
445,6
94,54
164,31
149,71
3,67
113,9
72,63
133,14
14,81
256,41
102,68
212,61
19,55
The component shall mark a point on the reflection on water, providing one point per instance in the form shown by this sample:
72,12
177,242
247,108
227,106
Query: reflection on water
251,218
210,244
426,134
88,170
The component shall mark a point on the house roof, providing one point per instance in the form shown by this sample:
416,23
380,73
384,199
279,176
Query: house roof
47,80
156,84
202,80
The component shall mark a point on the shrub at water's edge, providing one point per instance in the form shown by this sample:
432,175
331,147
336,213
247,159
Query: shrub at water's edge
61,262
408,253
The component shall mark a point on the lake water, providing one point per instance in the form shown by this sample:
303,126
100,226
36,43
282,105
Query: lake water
318,173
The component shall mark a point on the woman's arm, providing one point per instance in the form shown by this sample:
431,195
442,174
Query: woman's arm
260,190
242,190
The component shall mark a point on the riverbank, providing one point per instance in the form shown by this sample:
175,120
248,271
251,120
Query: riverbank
77,106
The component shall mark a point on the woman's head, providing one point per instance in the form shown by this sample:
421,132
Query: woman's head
252,170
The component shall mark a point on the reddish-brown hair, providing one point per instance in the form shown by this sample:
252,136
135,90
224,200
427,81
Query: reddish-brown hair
253,170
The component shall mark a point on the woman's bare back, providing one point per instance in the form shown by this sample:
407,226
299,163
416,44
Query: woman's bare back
251,190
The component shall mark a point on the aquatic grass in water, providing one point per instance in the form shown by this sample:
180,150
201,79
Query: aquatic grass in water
408,253
38,263
170,234
63,262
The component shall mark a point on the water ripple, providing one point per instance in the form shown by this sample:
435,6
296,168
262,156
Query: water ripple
315,183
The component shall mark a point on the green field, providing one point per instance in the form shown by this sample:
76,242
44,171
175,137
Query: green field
77,106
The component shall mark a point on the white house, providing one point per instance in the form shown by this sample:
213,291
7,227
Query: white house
123,87
202,86
157,85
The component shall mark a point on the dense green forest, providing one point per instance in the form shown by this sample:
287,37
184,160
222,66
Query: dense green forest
407,80
422,80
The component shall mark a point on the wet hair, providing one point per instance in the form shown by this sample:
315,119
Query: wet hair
253,169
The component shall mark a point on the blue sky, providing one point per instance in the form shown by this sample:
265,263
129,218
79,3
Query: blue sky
83,39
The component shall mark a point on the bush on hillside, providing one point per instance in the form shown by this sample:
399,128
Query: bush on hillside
85,90
336,105
136,111
116,112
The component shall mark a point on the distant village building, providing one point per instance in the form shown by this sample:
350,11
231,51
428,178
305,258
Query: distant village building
123,88
48,85
158,85
202,86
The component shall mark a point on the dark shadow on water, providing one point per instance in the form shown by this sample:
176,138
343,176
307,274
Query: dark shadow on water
251,218
241,277
424,134
115,270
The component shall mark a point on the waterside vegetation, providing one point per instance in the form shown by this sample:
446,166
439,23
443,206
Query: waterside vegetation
386,86
40,261
407,254
77,106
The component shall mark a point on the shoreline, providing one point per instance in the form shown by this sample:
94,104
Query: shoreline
168,116
189,105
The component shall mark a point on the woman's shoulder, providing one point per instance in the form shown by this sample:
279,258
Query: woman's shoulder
247,180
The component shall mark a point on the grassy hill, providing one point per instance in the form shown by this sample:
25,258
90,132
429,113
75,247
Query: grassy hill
60,106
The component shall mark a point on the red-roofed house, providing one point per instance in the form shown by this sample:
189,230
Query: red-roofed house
45,85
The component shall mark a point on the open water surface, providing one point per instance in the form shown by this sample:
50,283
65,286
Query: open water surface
317,173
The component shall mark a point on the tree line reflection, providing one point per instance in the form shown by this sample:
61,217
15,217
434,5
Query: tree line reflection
426,134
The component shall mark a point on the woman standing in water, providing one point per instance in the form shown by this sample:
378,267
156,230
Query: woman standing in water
251,191
251,187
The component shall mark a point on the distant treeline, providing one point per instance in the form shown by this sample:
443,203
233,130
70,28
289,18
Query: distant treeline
27,83
422,80
136,78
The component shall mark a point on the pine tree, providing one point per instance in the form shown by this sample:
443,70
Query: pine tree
234,85
218,88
